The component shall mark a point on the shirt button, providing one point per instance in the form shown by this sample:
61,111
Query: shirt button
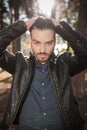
43,70
42,84
44,113
43,98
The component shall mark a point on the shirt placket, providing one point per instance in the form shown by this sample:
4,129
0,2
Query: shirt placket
43,96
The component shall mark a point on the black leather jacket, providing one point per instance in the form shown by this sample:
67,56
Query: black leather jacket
61,68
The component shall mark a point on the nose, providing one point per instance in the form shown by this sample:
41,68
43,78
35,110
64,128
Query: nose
42,48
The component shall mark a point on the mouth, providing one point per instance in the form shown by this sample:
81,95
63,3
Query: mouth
43,55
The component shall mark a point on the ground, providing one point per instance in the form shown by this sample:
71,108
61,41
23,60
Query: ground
5,84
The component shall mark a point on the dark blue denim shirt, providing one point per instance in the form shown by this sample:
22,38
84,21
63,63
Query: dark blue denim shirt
40,110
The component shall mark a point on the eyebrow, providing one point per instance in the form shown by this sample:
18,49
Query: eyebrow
35,40
45,42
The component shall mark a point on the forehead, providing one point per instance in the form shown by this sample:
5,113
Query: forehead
42,33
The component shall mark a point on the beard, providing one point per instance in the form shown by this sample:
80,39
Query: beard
42,57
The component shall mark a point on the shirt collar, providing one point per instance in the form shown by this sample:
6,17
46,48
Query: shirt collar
40,66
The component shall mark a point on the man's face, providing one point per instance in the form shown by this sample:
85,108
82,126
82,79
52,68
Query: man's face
42,44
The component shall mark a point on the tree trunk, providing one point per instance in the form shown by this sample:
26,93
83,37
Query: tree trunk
16,44
80,81
82,29
82,20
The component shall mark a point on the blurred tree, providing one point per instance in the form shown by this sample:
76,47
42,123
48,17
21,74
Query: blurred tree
14,7
54,9
2,11
73,10
80,81
30,7
82,19
82,28
59,9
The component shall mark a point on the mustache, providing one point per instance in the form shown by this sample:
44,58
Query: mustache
42,53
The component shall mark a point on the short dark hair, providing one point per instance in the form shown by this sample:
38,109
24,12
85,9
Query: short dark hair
42,23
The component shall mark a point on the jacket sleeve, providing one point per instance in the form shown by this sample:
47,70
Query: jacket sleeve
78,61
10,33
77,42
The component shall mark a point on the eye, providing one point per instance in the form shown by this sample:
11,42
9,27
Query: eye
49,43
36,42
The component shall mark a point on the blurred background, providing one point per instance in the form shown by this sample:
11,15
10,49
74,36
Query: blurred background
74,12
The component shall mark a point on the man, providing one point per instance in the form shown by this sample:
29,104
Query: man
41,94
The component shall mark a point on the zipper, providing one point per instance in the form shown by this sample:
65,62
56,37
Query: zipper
68,126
